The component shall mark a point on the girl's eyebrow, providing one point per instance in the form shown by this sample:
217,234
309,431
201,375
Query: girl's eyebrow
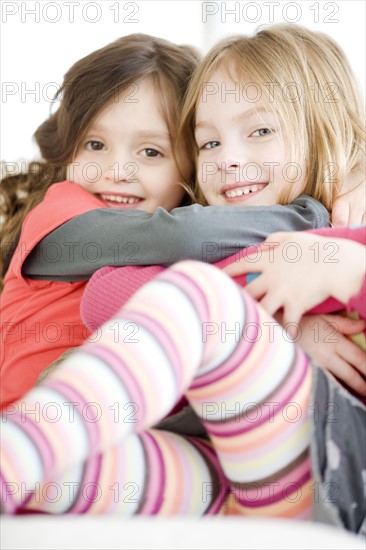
144,134
237,118
154,134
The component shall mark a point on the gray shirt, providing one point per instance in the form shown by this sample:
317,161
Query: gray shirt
106,236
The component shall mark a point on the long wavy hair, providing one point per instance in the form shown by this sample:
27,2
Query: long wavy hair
305,79
89,85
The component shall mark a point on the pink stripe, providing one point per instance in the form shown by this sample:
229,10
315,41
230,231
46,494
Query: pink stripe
38,440
281,433
223,484
299,370
91,474
155,479
69,392
190,288
8,502
187,481
292,476
289,387
276,496
235,360
165,342
123,373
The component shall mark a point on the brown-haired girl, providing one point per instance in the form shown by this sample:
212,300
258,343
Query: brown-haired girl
112,143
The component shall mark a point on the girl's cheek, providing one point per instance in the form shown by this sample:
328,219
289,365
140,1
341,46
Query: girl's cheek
73,172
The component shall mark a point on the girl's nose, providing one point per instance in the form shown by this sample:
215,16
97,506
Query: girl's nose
124,171
231,157
228,163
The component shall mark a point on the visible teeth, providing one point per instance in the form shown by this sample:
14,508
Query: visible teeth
117,198
242,191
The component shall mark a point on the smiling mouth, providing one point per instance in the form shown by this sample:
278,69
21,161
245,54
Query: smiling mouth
245,190
121,199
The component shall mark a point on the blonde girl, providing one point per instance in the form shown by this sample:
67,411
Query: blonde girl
298,89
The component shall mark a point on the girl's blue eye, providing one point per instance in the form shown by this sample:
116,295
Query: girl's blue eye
94,145
211,145
151,153
262,132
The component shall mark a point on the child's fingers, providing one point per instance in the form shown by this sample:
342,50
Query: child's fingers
346,373
256,261
271,303
248,264
348,363
259,260
342,359
257,288
349,376
291,318
345,325
354,355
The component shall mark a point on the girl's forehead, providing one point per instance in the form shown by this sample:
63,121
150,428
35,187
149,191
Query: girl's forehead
234,72
138,95
231,91
221,94
224,83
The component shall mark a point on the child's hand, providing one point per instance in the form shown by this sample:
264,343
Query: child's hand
300,270
323,337
349,206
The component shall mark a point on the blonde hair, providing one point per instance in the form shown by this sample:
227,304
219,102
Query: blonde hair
323,119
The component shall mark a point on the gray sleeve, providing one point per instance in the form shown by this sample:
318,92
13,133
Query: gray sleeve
75,250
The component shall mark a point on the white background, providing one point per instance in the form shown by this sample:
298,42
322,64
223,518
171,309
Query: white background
40,40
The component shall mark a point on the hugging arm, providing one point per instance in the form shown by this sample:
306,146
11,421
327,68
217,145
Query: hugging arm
112,237
335,260
302,271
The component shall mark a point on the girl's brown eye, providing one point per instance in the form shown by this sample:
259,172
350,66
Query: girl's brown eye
94,145
153,153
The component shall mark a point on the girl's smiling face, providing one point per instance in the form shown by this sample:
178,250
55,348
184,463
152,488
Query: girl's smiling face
126,157
242,158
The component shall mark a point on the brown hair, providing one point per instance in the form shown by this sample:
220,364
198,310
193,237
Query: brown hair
324,124
89,85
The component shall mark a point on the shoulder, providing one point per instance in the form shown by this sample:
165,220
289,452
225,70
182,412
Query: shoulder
62,202
66,190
